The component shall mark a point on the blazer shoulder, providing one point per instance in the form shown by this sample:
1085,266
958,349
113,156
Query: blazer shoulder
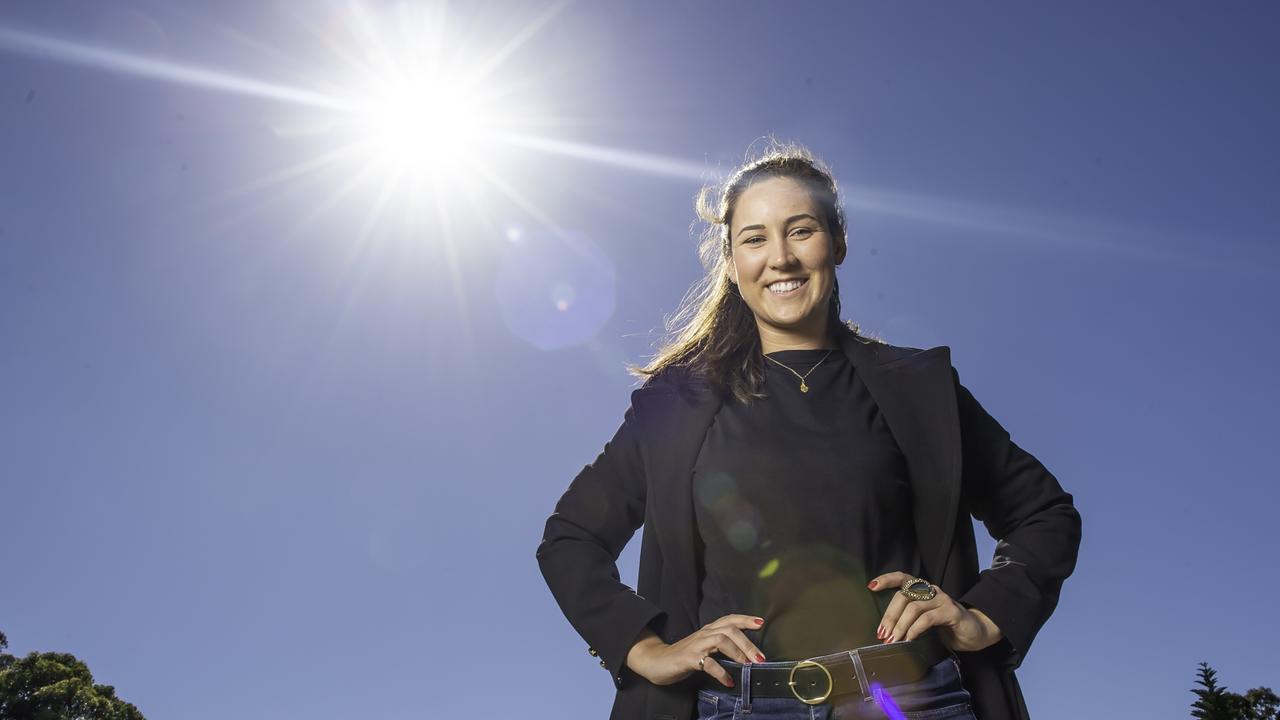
676,389
674,378
887,353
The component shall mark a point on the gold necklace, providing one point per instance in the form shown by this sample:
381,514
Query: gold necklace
804,387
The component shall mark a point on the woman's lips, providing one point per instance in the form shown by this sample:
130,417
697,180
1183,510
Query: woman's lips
788,293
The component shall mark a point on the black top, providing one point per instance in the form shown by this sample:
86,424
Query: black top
801,498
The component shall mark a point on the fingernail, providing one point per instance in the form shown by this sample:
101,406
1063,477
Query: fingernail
759,657
730,682
880,632
759,621
872,584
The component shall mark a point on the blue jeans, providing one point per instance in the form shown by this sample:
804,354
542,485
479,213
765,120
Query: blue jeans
937,695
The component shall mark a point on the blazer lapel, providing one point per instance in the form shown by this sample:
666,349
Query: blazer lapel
675,422
916,395
914,392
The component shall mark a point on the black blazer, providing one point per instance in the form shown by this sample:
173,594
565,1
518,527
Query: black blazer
961,462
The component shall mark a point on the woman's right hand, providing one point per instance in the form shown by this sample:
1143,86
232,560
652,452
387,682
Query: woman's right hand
663,664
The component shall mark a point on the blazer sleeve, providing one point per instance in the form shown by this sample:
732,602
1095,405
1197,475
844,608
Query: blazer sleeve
1033,520
593,521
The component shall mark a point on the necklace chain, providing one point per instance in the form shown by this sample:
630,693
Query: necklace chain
804,387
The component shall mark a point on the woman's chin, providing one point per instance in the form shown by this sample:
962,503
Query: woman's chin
789,321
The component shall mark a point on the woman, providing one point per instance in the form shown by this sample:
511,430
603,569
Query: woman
805,493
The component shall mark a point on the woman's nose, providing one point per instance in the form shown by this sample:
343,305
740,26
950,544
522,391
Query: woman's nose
781,257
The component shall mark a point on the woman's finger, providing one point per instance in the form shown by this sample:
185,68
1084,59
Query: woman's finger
748,648
747,622
733,625
724,641
911,610
892,614
929,618
898,602
888,581
714,669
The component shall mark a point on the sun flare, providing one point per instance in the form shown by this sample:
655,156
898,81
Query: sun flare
420,123
420,103
393,112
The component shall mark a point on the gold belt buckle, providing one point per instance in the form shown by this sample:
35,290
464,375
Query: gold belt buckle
791,681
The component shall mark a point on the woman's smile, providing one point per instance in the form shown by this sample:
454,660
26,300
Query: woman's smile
795,289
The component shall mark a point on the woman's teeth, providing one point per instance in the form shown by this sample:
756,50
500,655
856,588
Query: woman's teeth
783,288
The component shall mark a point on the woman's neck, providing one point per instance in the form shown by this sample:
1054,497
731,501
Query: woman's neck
815,334
769,345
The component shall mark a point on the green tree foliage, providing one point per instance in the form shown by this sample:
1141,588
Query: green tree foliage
1214,702
1260,704
55,686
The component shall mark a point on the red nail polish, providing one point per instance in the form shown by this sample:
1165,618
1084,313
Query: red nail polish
730,682
872,584
759,657
759,621
880,632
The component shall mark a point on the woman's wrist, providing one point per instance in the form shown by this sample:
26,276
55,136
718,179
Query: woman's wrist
647,641
992,631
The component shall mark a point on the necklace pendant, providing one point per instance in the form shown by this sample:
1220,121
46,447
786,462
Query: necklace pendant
803,387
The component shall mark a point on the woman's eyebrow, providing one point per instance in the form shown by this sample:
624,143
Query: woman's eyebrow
788,221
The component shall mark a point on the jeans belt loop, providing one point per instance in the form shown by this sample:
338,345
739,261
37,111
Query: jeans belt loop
746,687
861,674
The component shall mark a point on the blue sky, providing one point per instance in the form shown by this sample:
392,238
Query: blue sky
264,413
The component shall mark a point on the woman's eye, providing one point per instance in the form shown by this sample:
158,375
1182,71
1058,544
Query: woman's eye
798,232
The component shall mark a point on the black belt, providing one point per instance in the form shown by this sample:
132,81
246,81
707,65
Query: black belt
821,678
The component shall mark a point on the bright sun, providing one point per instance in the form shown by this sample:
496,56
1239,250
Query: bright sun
424,112
398,101
420,122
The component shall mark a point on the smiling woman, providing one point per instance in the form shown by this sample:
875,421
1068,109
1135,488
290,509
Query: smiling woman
806,495
777,218
784,262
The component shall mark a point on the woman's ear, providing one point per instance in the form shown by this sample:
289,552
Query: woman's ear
842,249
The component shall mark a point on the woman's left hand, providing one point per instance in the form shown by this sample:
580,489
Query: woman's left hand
959,627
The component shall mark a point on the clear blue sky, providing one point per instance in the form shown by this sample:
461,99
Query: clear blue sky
264,413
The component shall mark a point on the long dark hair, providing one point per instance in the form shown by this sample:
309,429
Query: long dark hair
713,335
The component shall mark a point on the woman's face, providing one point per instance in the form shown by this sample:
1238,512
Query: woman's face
778,233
